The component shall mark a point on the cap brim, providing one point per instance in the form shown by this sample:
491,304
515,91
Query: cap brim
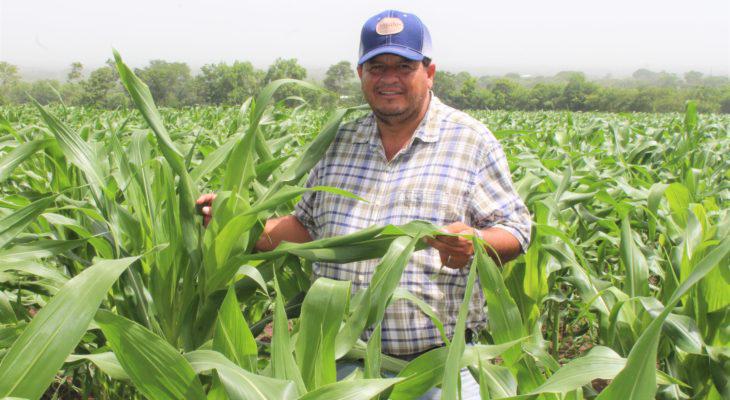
392,49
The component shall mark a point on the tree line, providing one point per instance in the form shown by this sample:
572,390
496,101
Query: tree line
173,84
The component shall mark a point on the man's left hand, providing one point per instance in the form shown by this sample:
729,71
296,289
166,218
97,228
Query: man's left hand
455,251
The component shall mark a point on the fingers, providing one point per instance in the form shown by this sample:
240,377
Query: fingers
206,198
204,206
459,247
454,251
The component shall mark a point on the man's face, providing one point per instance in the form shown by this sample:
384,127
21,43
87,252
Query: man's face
396,88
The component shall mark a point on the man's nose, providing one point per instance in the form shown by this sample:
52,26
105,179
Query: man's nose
390,74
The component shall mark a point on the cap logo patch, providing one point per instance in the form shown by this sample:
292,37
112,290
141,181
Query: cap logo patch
389,26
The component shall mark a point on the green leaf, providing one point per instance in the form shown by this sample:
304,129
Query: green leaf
355,389
107,363
403,294
452,368
239,383
18,155
505,320
678,198
13,224
498,380
638,379
600,363
422,373
637,269
157,369
373,357
33,360
385,279
681,329
39,249
76,150
283,365
142,99
690,117
323,311
233,338
312,153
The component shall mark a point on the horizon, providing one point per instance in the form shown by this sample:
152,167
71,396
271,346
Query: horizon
316,72
525,37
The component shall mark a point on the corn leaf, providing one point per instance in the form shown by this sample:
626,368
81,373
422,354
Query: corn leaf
232,336
323,311
283,364
637,270
32,361
157,369
239,383
638,379
13,224
18,155
355,389
452,368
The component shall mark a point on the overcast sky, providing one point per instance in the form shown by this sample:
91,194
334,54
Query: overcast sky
616,36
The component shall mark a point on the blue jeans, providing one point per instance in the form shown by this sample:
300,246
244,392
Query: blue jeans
469,387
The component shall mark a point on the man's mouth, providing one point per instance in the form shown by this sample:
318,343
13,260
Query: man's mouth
389,92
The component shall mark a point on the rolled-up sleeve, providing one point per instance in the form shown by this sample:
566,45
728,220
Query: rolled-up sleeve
304,209
494,201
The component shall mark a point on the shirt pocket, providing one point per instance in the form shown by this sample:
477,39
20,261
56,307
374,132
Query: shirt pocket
437,207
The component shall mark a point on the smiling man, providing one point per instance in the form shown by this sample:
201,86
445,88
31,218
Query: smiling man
415,158
412,158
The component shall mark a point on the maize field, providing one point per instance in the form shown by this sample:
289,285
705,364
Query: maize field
111,288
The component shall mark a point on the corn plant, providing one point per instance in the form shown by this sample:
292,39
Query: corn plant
109,281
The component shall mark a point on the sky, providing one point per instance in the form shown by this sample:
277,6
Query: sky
482,37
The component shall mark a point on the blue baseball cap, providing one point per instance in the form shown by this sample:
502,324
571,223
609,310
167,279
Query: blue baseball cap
395,32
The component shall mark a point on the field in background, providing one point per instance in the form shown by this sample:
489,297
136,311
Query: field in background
627,278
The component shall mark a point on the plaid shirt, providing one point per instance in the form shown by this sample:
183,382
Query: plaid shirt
453,169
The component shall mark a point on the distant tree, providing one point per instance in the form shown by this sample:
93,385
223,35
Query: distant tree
575,93
45,91
227,84
169,82
446,87
98,87
9,80
286,68
544,96
8,74
506,94
471,96
645,76
693,78
74,75
564,76
665,79
725,104
339,77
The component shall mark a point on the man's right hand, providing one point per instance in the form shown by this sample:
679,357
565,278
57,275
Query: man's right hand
204,207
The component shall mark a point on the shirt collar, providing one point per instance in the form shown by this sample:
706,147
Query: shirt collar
427,130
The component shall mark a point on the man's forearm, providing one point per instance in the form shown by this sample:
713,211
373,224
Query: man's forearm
504,246
277,230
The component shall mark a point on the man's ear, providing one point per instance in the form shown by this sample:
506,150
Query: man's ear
359,71
431,72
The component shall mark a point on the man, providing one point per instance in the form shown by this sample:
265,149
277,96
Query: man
412,158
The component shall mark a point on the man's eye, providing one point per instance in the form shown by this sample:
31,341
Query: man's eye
406,67
376,68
